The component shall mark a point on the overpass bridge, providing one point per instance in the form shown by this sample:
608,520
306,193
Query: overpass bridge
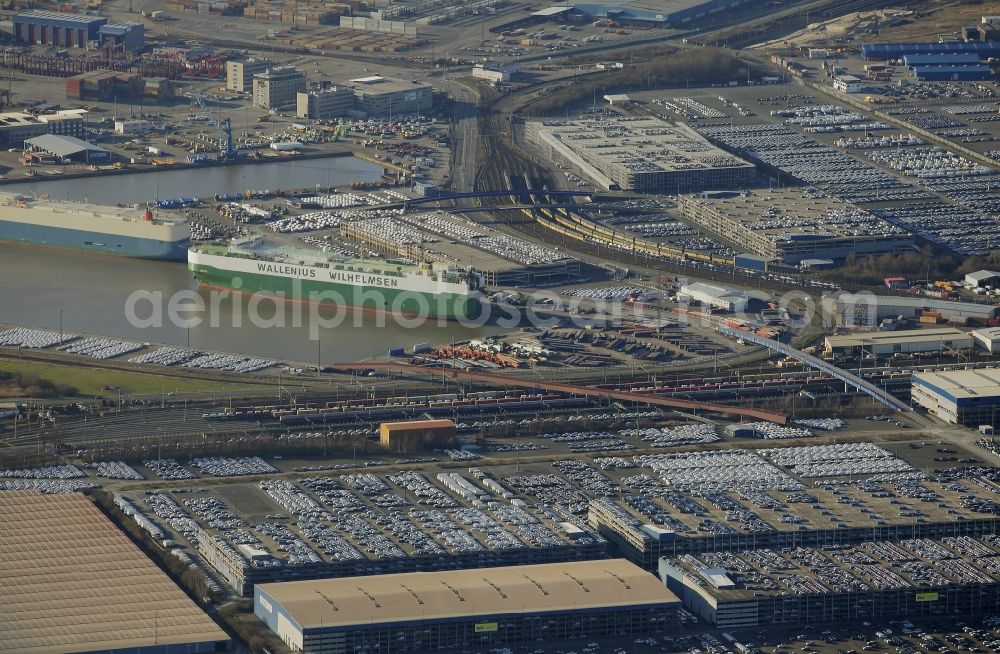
826,367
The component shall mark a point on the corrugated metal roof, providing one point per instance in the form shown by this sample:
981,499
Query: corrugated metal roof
62,146
71,581
962,383
906,336
478,594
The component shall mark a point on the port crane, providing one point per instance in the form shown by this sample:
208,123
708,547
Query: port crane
225,126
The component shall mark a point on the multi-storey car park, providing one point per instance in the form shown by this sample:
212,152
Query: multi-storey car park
912,577
735,500
642,154
793,224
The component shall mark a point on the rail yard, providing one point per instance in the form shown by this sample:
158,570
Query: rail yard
495,327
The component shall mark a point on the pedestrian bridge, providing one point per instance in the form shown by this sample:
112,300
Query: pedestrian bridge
848,378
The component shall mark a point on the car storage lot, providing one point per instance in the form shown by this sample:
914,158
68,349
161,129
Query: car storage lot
919,186
519,499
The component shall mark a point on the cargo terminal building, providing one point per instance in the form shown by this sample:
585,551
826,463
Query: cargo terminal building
646,155
428,611
793,224
959,397
65,30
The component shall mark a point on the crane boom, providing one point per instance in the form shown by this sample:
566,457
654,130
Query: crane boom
225,126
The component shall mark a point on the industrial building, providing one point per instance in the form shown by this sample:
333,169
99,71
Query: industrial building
970,73
718,297
868,310
959,397
847,83
641,154
850,583
107,85
667,13
68,148
240,72
889,51
16,128
495,72
130,36
73,582
62,30
982,278
383,97
416,435
69,122
884,344
278,87
793,224
427,611
324,103
988,339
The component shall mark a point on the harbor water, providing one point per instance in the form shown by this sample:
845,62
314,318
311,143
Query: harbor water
201,182
90,293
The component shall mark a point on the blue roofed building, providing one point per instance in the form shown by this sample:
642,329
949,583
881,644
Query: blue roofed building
56,29
131,36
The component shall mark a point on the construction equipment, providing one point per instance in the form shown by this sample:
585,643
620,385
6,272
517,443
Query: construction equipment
225,126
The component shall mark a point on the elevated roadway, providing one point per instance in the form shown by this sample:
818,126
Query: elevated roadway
848,378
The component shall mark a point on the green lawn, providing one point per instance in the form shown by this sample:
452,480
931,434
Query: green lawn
90,381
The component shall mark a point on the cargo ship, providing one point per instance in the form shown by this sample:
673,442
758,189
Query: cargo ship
125,231
392,286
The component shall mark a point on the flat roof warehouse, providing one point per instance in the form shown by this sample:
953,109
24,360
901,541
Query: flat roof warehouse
398,599
70,581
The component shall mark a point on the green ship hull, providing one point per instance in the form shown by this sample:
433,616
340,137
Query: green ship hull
394,301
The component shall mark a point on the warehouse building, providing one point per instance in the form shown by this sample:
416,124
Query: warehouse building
884,344
240,72
325,103
68,148
946,59
868,310
73,582
717,297
982,278
969,73
278,87
646,155
668,13
960,397
428,611
987,339
416,435
494,72
793,224
873,580
384,97
130,36
888,51
57,29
